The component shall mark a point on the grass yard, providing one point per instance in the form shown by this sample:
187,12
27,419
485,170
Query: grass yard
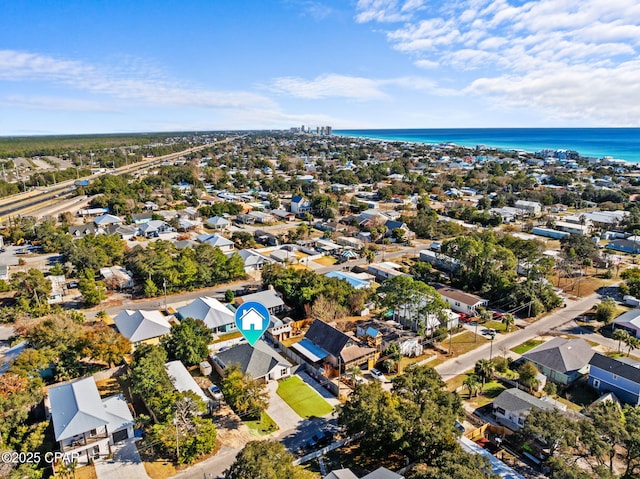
491,391
465,342
262,427
306,402
499,326
527,345
228,336
326,260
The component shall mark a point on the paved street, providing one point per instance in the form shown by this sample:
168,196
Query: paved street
560,321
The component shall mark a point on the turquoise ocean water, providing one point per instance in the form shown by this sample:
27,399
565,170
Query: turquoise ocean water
620,143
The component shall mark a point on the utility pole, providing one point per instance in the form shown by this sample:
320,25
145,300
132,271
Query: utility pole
175,421
164,285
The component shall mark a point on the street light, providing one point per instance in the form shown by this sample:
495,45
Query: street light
164,285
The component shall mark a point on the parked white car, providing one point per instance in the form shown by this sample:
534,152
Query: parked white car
378,375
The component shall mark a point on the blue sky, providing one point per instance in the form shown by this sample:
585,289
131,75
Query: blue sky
128,66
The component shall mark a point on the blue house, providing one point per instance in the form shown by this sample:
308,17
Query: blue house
624,245
620,376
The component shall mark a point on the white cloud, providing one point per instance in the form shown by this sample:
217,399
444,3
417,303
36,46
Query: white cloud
578,49
137,85
329,86
54,103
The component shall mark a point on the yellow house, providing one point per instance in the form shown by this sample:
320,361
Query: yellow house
142,327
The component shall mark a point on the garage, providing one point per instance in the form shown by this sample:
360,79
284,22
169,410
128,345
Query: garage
120,435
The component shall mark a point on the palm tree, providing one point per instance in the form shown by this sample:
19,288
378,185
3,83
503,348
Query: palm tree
485,315
620,335
632,343
508,320
485,369
471,383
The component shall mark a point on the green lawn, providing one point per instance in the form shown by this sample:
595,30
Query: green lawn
263,427
306,402
526,346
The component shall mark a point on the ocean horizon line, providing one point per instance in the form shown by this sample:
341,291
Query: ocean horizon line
621,143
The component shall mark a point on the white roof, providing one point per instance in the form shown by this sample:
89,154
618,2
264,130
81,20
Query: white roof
218,221
211,311
107,219
76,408
140,325
182,380
214,240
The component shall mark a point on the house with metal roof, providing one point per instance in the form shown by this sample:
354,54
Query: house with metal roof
620,376
512,406
269,298
216,240
107,219
183,381
142,327
561,360
218,223
300,205
354,279
83,423
218,317
253,260
260,361
630,322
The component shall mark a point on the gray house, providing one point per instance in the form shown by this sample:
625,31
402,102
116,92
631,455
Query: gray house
562,360
260,361
512,406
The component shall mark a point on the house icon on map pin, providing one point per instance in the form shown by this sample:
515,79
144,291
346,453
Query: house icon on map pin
251,319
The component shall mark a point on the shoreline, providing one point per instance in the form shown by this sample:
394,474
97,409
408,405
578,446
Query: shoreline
588,142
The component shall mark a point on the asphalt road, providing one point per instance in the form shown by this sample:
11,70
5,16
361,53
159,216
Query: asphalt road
561,321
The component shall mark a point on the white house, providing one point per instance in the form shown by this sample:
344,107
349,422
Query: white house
531,207
460,301
260,361
83,423
300,205
216,240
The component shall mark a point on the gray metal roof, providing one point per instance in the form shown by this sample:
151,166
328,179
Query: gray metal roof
140,325
516,400
209,310
268,298
257,360
383,473
341,474
562,355
182,380
76,408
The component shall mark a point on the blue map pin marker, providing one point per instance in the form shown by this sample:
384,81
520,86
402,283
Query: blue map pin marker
252,320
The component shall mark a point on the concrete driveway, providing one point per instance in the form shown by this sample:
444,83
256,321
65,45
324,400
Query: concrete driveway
285,417
126,463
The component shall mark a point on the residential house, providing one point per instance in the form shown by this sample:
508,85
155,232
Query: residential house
84,424
58,287
300,205
620,376
216,240
550,233
141,218
341,474
572,228
218,317
142,327
151,206
125,232
382,473
154,228
260,361
385,270
350,242
512,406
269,298
183,381
93,211
253,260
262,217
497,466
218,223
245,219
460,301
116,277
561,360
531,207
107,219
630,322
624,245
283,215
392,225
330,351
81,231
266,238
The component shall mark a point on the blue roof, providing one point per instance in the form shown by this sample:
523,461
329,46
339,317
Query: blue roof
372,332
352,280
307,345
296,199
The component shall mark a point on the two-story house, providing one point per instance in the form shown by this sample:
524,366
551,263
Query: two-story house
620,376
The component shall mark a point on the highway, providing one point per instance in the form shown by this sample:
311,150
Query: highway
25,202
